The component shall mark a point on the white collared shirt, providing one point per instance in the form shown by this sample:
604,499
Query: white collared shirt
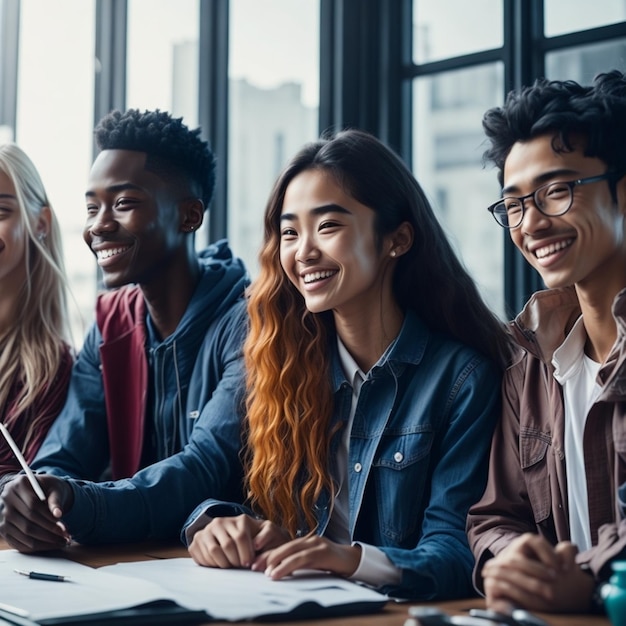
375,568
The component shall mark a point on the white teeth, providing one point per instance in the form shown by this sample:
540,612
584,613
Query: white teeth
105,254
313,276
540,253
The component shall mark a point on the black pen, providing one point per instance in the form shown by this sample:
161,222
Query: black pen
42,576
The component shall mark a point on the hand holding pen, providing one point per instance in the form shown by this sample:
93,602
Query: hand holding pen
31,508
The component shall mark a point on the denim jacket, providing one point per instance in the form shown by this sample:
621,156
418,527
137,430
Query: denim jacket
417,459
203,387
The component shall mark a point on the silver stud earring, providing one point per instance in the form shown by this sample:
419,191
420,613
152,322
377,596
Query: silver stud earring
393,253
41,237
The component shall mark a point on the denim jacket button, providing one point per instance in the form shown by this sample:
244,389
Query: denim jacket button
398,456
358,467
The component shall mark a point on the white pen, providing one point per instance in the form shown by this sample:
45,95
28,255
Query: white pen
20,457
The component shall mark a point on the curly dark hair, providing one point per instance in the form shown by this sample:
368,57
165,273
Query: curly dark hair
171,147
567,109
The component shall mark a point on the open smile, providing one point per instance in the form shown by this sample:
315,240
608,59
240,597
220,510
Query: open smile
108,253
553,248
314,277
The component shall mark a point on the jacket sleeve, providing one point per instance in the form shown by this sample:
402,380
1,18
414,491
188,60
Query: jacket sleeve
440,565
503,513
208,510
154,503
77,444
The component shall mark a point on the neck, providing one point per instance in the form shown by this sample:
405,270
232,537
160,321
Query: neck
600,324
168,296
366,337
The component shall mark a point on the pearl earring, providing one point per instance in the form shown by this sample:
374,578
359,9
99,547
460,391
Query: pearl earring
393,253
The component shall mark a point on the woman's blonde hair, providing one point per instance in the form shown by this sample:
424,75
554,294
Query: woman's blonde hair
33,345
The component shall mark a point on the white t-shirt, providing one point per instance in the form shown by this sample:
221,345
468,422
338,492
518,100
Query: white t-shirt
576,373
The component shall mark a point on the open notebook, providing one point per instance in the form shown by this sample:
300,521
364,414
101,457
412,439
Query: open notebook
168,591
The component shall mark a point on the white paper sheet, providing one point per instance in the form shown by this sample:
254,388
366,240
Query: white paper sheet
243,594
89,590
231,595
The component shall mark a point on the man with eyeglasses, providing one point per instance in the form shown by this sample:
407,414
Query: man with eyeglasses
549,525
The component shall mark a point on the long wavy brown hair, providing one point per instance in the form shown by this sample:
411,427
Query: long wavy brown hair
287,352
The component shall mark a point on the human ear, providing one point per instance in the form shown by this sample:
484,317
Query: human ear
191,214
401,240
44,222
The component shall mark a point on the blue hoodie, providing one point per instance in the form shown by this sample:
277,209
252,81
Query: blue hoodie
190,385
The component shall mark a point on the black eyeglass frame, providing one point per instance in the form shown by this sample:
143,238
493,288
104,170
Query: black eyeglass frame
533,194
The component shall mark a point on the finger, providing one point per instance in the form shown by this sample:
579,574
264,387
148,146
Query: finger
288,565
270,536
567,551
25,512
32,538
540,549
501,591
512,584
305,553
204,550
517,566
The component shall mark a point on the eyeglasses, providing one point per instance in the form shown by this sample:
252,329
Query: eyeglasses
552,200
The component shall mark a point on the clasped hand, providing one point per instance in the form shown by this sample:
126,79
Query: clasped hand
29,524
261,545
533,574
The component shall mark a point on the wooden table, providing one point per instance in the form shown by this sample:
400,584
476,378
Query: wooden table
393,614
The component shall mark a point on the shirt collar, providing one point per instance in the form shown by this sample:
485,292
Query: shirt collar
569,355
349,366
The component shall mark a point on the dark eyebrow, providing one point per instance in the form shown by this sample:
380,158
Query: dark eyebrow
544,178
8,195
318,210
116,189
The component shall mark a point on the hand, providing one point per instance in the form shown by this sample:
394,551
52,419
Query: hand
311,552
235,541
30,525
532,574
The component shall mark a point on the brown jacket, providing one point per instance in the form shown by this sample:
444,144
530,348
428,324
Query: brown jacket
526,489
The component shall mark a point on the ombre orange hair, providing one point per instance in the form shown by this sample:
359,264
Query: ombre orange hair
288,348
289,398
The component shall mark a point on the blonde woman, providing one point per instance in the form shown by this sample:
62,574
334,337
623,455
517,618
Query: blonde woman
35,354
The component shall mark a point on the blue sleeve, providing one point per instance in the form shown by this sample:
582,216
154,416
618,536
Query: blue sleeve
440,565
208,510
77,444
154,503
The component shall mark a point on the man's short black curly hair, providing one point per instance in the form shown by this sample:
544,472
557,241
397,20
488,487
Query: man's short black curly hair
168,143
566,109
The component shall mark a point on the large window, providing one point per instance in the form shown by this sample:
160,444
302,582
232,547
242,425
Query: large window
448,141
55,124
274,91
464,65
447,157
261,76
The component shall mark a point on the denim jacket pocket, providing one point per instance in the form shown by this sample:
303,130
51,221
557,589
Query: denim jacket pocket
401,471
534,447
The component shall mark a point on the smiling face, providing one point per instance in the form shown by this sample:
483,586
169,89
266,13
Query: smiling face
328,248
584,246
12,239
133,222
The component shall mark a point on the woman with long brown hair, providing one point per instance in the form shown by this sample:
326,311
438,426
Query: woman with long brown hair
373,377
35,357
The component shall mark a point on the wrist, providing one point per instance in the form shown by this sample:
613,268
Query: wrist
596,600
